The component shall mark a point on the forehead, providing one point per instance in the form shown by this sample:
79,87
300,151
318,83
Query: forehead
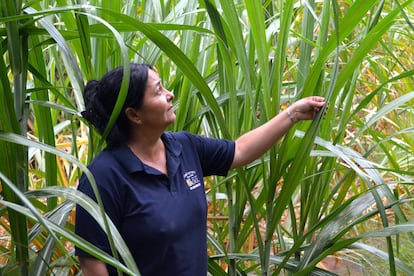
153,77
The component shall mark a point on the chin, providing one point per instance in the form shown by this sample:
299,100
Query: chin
171,121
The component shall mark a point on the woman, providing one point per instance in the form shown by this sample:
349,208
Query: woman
151,181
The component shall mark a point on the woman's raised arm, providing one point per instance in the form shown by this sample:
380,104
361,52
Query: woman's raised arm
256,142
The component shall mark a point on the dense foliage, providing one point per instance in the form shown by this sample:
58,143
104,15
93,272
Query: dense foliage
338,188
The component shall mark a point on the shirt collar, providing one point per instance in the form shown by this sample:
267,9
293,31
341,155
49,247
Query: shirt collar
174,150
132,164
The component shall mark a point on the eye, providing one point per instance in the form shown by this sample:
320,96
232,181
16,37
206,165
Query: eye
158,89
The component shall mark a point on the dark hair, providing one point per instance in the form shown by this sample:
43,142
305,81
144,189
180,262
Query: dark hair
100,98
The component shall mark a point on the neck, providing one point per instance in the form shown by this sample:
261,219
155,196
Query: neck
152,154
147,148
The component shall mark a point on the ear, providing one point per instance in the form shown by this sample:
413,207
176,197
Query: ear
132,115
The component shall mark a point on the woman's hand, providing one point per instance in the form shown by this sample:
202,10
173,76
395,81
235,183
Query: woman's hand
305,109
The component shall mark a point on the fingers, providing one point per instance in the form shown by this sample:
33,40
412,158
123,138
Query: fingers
307,108
310,103
317,101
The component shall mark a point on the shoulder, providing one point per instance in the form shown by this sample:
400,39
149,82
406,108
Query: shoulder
104,168
181,141
103,161
203,145
181,136
184,138
105,172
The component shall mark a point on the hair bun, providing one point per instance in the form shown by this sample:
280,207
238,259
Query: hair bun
91,90
94,112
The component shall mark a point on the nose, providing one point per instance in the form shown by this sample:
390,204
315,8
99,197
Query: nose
169,95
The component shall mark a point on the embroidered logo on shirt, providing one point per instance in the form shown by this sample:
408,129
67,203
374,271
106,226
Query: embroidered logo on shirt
192,180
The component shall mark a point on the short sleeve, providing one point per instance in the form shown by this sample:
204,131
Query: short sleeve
85,225
216,155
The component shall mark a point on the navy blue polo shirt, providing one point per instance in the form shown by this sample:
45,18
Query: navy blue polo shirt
161,218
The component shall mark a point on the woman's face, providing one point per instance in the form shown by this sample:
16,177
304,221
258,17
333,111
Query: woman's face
157,108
